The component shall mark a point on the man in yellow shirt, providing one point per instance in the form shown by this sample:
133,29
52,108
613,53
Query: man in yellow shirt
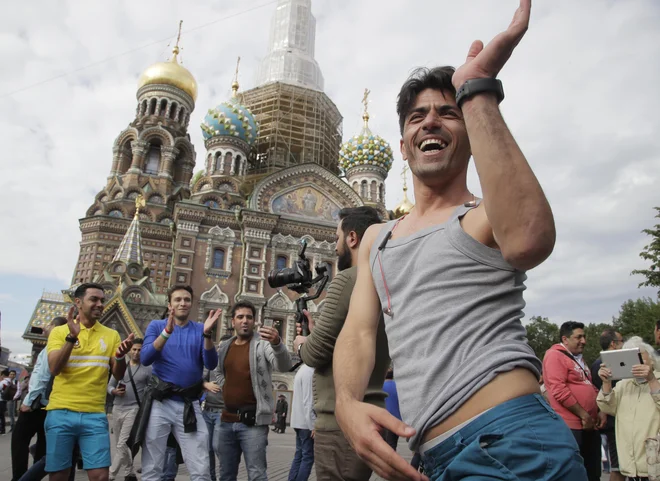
80,354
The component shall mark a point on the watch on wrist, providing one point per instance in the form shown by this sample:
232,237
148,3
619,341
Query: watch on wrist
71,339
479,85
206,336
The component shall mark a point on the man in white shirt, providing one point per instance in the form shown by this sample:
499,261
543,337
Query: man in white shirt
302,422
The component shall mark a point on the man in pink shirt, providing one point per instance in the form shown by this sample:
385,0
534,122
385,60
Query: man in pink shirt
572,394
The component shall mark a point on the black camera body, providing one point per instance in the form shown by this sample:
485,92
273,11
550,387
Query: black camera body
300,279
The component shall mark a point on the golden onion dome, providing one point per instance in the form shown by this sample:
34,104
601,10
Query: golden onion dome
170,73
405,206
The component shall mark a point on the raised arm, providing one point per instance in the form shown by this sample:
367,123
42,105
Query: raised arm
514,206
59,350
153,343
352,366
319,346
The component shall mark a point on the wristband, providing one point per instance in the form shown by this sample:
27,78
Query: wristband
165,334
476,86
71,339
168,332
206,336
120,358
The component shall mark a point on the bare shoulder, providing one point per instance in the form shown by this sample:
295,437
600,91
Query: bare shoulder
476,224
371,234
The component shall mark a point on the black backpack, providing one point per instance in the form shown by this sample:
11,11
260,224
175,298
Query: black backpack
9,392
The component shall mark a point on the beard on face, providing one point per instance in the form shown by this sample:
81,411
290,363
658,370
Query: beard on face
344,261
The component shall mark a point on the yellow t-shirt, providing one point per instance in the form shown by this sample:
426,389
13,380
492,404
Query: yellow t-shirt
81,386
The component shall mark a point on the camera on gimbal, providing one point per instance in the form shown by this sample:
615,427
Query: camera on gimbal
300,279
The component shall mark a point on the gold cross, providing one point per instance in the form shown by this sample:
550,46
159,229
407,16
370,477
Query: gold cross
404,173
238,62
365,99
178,37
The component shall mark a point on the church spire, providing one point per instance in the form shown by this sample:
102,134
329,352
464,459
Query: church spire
292,42
130,249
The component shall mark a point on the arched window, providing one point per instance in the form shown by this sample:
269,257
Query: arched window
153,160
381,193
218,259
363,190
218,161
228,163
143,110
115,213
163,107
173,110
374,191
281,262
180,115
152,106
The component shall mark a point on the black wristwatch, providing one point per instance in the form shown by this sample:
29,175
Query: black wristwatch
206,336
478,85
71,339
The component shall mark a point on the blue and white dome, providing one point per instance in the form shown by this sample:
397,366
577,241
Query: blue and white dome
231,119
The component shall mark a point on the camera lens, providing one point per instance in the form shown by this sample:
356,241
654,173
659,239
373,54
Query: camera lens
283,277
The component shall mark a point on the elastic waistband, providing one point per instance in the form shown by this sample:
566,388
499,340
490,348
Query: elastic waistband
517,406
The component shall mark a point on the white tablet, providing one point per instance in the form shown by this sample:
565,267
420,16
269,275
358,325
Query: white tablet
621,362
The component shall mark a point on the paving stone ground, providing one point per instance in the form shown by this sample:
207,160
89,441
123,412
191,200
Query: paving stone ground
281,448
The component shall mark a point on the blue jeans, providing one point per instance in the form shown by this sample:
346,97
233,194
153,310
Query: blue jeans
234,439
170,468
521,439
303,460
212,420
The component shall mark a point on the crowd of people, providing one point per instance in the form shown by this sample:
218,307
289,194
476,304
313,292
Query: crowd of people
437,295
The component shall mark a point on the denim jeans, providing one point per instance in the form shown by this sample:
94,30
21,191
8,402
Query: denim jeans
167,417
170,468
234,439
303,460
212,423
521,439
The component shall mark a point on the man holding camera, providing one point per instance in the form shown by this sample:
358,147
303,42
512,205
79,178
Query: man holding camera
127,399
245,363
334,457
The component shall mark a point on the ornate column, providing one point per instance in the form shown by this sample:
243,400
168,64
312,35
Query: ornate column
139,148
115,160
168,154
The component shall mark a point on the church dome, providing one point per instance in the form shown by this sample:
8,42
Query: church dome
366,148
404,207
170,73
231,119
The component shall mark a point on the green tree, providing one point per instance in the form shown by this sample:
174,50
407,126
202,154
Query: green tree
651,253
592,349
541,334
638,318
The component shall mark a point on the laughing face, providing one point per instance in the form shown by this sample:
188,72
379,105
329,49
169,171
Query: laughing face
91,306
435,141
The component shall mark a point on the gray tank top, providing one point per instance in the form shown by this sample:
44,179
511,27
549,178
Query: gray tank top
455,324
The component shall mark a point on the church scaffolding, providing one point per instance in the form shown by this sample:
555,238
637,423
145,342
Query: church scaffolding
297,126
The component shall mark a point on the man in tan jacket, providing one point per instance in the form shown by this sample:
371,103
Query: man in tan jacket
334,457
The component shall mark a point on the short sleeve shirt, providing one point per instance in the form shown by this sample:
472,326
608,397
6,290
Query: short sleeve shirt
81,386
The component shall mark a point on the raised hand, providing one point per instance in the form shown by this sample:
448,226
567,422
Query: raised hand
211,321
487,62
125,346
605,373
169,326
270,334
643,371
72,322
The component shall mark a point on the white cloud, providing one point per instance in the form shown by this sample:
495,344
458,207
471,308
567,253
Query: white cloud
581,101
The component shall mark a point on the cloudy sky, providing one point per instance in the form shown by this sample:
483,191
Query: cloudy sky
581,99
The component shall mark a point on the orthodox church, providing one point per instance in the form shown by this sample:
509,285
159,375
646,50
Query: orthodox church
274,173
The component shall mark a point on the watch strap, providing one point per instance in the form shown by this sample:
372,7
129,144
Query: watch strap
479,85
71,339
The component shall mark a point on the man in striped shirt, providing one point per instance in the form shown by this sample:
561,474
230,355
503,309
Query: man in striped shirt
80,354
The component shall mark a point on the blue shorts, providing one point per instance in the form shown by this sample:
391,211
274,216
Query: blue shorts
521,439
65,428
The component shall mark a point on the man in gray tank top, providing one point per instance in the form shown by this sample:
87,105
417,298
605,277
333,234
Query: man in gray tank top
449,278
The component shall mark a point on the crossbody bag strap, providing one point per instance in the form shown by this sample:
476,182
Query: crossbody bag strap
130,376
576,362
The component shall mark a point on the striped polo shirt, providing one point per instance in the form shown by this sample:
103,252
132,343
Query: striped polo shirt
81,386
